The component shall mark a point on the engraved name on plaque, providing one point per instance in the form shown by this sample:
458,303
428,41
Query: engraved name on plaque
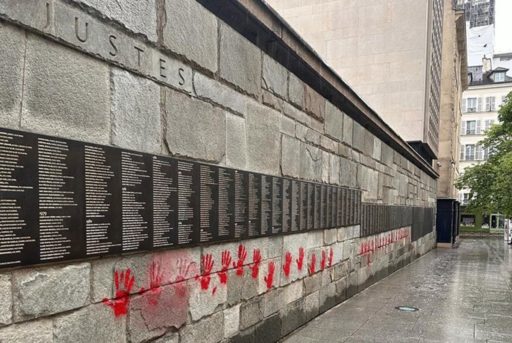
165,202
277,205
186,202
286,201
226,204
102,200
253,207
208,195
303,206
295,207
266,205
18,199
136,200
240,204
60,190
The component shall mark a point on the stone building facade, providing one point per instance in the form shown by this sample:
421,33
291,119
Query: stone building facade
220,82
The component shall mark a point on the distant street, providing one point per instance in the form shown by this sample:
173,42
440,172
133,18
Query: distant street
463,295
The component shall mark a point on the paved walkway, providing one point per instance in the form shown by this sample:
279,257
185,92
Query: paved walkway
463,295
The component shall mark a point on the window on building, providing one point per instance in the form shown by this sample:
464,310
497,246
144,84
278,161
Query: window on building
490,103
469,152
488,123
499,77
472,105
485,154
472,127
465,198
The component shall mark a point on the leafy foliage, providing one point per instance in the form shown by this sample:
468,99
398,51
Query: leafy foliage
490,182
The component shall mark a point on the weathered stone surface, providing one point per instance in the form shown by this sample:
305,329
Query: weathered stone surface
102,279
311,163
272,100
326,166
290,156
39,331
330,236
5,300
138,16
295,90
41,292
275,77
334,170
292,316
208,330
241,287
287,126
236,142
240,61
263,139
377,149
11,74
272,301
231,321
329,144
32,13
368,143
293,292
95,323
194,128
359,134
327,297
386,154
157,310
250,313
312,305
293,112
66,93
135,112
172,337
348,124
191,30
314,103
333,121
205,302
221,94
348,172
312,283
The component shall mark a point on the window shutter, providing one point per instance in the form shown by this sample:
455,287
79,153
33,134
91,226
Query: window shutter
462,128
479,105
462,149
478,152
463,105
492,100
487,103
478,129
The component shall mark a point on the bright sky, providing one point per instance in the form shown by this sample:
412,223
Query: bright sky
503,26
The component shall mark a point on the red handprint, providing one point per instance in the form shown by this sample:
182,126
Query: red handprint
123,283
207,265
323,260
155,281
300,260
183,266
269,278
226,262
239,265
256,261
331,257
287,263
312,265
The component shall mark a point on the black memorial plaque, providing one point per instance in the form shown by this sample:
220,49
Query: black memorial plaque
165,202
266,205
253,207
62,199
277,205
303,206
102,200
241,202
19,232
226,204
295,207
136,200
208,198
286,203
187,202
61,192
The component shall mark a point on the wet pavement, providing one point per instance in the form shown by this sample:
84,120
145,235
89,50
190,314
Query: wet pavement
463,295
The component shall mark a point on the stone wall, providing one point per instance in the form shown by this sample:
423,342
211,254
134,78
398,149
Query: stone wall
169,77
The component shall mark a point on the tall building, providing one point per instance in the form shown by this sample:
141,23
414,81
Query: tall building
388,51
480,104
479,12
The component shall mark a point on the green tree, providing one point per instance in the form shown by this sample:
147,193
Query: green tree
490,182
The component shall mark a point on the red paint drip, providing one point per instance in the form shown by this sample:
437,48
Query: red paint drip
300,260
207,265
269,278
287,263
312,265
256,261
331,257
323,260
123,283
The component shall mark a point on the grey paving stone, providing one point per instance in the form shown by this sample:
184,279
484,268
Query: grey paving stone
191,30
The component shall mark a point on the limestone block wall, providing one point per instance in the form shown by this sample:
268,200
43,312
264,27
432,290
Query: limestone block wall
169,77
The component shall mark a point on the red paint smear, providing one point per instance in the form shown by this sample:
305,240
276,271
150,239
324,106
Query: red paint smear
269,278
207,265
256,261
323,260
239,265
122,292
331,257
214,290
311,267
287,263
226,262
300,260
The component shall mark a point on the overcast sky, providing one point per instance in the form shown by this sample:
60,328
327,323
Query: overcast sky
503,26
